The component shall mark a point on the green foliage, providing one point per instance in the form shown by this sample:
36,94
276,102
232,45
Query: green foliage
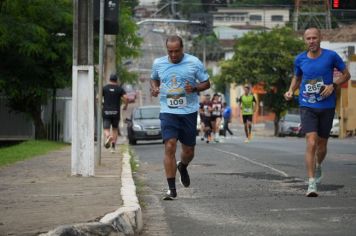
265,57
26,150
35,52
128,43
213,49
188,7
183,9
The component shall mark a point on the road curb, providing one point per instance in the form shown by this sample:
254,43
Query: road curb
127,220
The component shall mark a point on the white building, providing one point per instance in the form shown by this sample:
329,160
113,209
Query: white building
265,16
148,2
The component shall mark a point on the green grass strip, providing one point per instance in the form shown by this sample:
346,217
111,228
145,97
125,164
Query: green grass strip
27,150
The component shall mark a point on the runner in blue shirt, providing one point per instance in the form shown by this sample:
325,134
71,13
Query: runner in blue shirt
177,78
313,75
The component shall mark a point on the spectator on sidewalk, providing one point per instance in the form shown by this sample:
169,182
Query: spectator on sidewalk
113,94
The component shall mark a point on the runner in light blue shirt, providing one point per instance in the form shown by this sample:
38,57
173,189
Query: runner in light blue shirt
178,78
173,77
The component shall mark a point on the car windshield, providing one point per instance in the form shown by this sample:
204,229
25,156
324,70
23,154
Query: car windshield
147,113
292,118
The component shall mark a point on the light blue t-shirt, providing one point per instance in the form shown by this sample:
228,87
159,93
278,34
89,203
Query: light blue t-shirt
316,73
173,78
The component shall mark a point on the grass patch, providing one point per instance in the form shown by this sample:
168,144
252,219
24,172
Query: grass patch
133,161
27,150
139,183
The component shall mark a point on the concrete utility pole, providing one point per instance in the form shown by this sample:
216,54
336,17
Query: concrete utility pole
110,56
100,83
83,89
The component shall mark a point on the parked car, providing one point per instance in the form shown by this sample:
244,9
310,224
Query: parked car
144,124
290,125
334,132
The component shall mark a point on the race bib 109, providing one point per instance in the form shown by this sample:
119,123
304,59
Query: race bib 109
176,101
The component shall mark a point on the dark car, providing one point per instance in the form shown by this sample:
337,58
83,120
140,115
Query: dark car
144,124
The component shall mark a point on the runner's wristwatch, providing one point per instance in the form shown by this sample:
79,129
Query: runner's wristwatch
334,85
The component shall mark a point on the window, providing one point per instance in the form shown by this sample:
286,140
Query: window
255,18
277,18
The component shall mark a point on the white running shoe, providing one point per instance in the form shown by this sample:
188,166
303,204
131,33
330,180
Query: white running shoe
312,190
318,174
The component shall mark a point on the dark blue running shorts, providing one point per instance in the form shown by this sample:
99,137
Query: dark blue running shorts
317,120
179,126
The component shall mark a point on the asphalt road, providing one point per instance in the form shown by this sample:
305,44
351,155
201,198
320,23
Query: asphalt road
251,189
244,189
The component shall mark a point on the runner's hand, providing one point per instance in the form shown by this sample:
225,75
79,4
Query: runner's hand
155,91
188,88
326,90
288,95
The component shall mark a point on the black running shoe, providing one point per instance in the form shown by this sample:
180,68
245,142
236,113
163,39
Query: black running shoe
184,176
170,195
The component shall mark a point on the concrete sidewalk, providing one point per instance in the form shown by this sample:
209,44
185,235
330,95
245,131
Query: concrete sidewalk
38,195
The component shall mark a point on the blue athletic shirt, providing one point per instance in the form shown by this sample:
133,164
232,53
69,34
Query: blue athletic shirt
315,73
173,78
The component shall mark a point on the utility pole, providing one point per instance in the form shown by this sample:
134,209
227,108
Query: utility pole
110,56
106,22
100,83
83,89
312,13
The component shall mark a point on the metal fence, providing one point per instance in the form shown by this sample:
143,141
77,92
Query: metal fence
56,115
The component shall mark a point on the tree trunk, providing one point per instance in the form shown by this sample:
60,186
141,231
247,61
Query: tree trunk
40,131
276,122
276,126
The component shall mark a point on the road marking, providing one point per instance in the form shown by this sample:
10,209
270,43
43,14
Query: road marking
313,209
253,162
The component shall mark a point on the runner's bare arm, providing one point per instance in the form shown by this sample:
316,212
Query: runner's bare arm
345,76
296,80
155,87
126,101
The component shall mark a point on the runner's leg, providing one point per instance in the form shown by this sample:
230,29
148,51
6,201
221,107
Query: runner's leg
311,141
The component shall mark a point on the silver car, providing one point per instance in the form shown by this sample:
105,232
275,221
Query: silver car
290,125
144,124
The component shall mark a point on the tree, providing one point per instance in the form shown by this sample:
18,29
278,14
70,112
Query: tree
265,58
209,43
35,52
180,8
127,43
